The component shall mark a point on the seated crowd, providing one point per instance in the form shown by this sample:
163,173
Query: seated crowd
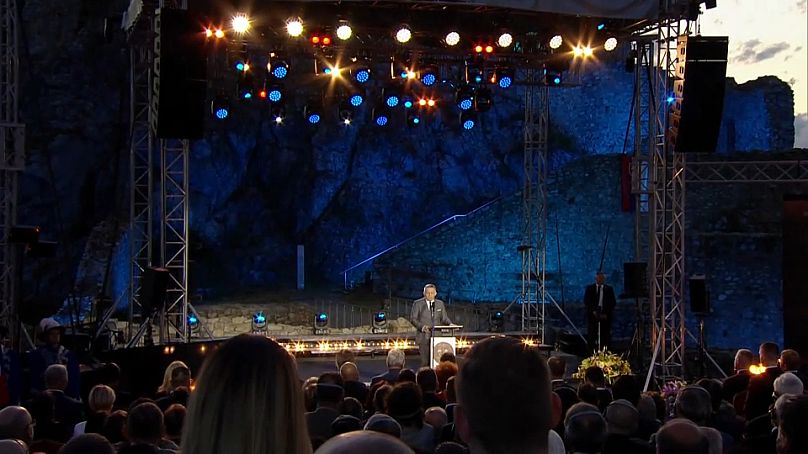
501,397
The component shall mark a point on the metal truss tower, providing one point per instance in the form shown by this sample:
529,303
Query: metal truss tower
12,144
533,250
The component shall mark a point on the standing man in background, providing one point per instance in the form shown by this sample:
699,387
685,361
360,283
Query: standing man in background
600,302
426,313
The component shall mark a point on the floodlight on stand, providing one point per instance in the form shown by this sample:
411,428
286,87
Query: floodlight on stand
556,41
452,38
220,107
259,323
294,27
344,31
482,99
496,321
379,325
321,323
468,120
464,97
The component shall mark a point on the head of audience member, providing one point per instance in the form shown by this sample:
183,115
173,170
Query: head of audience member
56,377
448,357
587,393
498,411
427,380
16,423
646,408
384,424
622,418
11,446
436,417
404,403
50,332
743,359
351,406
180,378
101,399
584,428
787,383
345,423
714,388
329,390
450,447
792,437
451,390
165,387
349,372
681,436
310,394
109,374
406,375
144,425
364,442
395,359
769,354
88,444
558,367
627,387
443,371
379,398
344,356
694,403
790,360
114,426
173,419
594,375
251,379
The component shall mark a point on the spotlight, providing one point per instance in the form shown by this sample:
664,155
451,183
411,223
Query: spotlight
219,34
408,102
482,99
381,116
505,40
489,48
208,33
346,111
588,52
464,97
413,118
452,39
278,113
344,31
242,66
259,322
294,27
468,120
556,41
496,321
240,23
577,51
220,107
320,38
503,76
478,48
379,323
391,96
474,72
275,93
277,66
356,99
361,73
246,88
403,34
552,77
193,322
321,323
601,26
312,112
429,74
610,44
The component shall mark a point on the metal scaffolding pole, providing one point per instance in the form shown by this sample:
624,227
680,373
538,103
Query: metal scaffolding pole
533,250
12,146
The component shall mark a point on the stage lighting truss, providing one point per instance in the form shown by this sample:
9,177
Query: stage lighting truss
429,74
277,66
379,325
220,107
468,120
482,99
464,97
321,323
503,76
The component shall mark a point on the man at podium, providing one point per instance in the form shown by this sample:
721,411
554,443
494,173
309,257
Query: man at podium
426,313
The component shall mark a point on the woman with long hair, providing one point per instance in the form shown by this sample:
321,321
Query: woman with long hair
166,387
248,400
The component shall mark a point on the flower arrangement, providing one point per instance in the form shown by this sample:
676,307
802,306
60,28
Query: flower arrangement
612,365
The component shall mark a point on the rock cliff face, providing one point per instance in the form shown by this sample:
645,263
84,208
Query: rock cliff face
258,190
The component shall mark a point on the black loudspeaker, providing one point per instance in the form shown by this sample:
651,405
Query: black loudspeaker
153,285
699,88
635,280
699,298
180,76
572,343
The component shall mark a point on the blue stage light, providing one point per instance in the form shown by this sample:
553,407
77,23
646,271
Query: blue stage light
247,95
505,81
465,104
275,95
314,118
671,99
407,103
468,124
280,72
362,76
356,100
222,113
557,80
392,101
240,66
381,120
327,71
428,79
601,26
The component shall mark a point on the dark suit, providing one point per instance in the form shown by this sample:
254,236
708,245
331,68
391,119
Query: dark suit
391,376
759,393
734,385
67,412
421,316
593,310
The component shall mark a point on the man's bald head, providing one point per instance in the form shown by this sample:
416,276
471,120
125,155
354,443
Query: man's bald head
364,442
349,372
15,422
681,436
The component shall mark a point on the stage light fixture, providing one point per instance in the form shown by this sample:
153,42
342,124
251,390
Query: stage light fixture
294,27
588,51
452,39
361,72
259,322
503,76
275,93
430,74
240,23
262,94
278,113
321,323
413,118
478,48
320,38
193,322
246,86
601,26
379,324
344,31
356,99
242,66
482,99
391,95
346,111
489,49
496,321
404,34
610,44
218,34
277,66
464,97
552,76
474,72
208,33
313,111
422,102
220,107
408,103
381,116
556,41
505,40
577,51
468,120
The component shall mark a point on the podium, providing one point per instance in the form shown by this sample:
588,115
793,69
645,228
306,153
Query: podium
443,340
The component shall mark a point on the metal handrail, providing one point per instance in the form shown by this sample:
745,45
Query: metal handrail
407,240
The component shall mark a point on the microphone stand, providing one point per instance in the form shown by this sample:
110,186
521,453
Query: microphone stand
432,334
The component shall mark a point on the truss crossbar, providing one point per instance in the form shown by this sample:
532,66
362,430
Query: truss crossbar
747,172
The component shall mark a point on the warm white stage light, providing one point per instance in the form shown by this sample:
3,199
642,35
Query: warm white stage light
403,35
344,32
610,44
452,38
241,23
556,41
294,28
505,40
588,51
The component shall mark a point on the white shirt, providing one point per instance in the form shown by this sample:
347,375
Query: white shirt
555,445
600,295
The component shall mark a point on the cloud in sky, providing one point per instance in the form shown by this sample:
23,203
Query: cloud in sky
801,131
754,51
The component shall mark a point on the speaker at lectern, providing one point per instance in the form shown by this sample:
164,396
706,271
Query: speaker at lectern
444,340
